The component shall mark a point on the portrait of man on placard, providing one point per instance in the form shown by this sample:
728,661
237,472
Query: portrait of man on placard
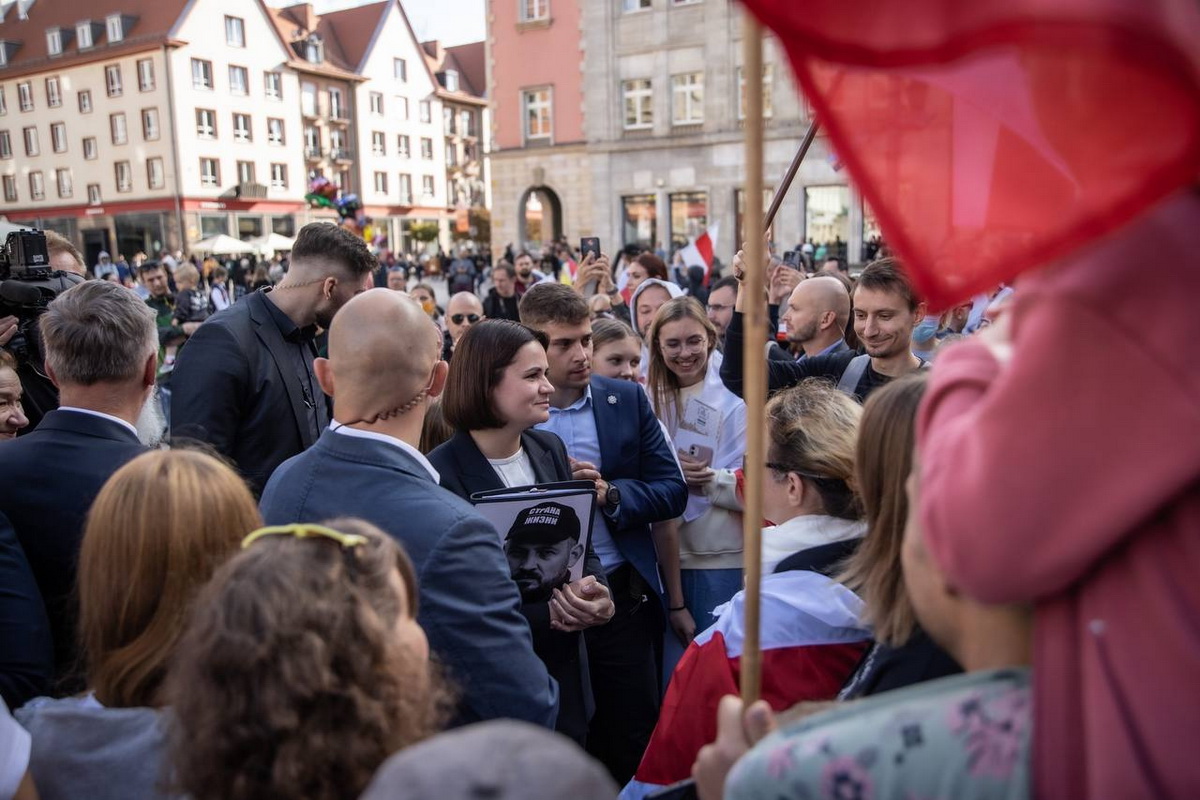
545,549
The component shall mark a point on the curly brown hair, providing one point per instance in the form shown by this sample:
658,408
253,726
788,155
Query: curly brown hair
291,680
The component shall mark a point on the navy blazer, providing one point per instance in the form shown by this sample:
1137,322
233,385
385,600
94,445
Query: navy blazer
26,646
465,471
469,604
636,457
236,387
48,480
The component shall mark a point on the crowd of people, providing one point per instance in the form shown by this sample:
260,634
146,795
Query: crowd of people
239,556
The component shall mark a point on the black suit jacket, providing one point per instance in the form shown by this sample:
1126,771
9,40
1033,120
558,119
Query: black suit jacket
48,481
235,386
26,646
497,307
464,470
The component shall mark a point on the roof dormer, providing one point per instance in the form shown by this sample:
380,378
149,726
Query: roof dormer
8,49
86,33
313,49
116,26
23,7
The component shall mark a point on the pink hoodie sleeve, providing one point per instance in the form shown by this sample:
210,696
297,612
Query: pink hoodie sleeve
1032,471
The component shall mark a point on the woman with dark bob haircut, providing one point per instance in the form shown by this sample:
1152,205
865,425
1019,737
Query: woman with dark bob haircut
302,667
496,392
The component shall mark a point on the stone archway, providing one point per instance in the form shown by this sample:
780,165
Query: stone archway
539,217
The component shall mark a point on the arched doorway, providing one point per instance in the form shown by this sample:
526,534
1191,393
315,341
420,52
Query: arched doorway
539,217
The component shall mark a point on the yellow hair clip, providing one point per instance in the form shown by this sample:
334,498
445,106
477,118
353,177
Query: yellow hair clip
304,531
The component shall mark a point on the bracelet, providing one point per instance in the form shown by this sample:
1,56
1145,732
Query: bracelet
680,608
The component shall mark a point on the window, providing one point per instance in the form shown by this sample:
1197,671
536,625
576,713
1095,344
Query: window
37,186
210,172
312,141
155,177
206,123
58,137
689,216
336,109
314,49
3,102
638,96
426,110
274,131
279,176
448,120
245,171
687,99
376,103
534,10
5,144
381,182
116,125
400,69
235,32
90,151
124,176
273,85
337,144
405,188
427,187
241,128
115,28
239,81
426,148
202,75
402,146
85,102
112,80
10,188
768,103
377,146
402,108
640,220
145,72
451,155
53,92
451,80
54,42
684,2
93,190
634,5
83,35
308,99
466,123
25,95
537,114
62,177
31,141
150,128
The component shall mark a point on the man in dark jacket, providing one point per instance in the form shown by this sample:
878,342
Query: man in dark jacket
501,301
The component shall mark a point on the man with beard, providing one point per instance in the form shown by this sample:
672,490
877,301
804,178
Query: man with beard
816,315
527,276
170,335
542,545
244,383
886,310
101,350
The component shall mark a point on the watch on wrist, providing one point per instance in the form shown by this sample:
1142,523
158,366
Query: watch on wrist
612,499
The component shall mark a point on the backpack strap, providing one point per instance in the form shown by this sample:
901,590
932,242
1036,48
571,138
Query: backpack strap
853,374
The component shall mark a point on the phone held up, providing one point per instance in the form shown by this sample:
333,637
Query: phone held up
792,259
589,244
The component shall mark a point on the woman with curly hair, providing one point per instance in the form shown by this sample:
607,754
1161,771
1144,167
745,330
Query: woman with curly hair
302,668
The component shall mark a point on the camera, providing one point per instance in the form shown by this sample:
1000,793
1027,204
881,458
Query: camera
27,286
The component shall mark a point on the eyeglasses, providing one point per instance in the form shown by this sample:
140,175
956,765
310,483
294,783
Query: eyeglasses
457,319
305,531
784,468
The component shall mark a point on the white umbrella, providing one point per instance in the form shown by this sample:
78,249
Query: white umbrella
221,245
272,243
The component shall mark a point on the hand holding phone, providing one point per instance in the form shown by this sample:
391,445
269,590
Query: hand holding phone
589,244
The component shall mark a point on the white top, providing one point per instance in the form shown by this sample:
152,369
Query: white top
102,415
516,470
344,430
14,753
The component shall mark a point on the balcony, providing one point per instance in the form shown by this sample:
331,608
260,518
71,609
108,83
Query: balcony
339,117
312,153
341,154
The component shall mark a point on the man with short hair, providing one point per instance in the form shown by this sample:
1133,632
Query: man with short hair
170,335
463,311
886,310
721,299
244,383
501,301
397,279
101,351
527,276
816,315
64,255
541,547
383,370
638,482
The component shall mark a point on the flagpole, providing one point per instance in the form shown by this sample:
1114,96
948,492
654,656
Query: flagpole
790,175
755,373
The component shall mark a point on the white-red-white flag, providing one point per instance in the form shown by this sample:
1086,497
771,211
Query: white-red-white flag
700,250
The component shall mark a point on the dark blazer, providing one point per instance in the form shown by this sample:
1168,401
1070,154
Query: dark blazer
637,459
235,386
48,481
26,646
464,471
469,605
497,307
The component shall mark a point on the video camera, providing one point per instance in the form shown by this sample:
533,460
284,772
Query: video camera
27,285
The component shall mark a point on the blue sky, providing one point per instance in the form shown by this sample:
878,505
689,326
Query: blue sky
452,21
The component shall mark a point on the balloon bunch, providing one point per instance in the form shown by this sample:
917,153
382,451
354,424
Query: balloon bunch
323,193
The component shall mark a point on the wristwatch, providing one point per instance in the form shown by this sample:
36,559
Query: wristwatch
612,500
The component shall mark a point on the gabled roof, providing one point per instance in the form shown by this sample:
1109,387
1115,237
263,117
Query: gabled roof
296,22
472,66
464,60
354,28
148,24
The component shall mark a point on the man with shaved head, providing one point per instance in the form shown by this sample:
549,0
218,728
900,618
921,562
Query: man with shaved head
463,311
816,315
382,372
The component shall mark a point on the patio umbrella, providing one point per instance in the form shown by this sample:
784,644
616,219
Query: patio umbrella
221,245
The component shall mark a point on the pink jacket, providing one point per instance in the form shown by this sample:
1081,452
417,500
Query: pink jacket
1070,478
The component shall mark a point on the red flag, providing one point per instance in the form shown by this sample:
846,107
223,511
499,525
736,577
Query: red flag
993,136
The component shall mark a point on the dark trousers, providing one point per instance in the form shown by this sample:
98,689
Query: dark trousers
623,660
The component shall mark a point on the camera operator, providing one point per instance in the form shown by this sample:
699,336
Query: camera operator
40,394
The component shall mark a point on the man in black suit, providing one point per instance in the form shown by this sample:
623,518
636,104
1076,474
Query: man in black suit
501,301
383,367
101,348
244,382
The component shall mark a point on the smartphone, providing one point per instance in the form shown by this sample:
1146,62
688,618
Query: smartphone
793,259
701,453
589,244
